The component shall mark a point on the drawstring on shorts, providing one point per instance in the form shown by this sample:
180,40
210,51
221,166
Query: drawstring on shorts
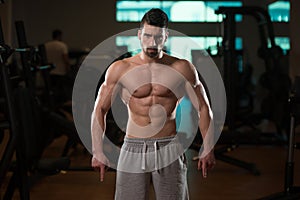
144,156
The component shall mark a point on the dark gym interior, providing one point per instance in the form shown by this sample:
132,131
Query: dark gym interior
255,48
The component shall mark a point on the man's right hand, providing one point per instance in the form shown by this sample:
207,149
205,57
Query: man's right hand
100,165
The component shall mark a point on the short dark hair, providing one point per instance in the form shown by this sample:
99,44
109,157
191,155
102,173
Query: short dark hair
56,33
155,17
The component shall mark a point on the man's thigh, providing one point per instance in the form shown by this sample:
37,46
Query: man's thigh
132,186
171,182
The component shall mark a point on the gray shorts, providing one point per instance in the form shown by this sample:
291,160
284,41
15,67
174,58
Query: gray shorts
152,157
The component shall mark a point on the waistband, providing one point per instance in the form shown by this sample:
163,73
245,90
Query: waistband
148,145
150,141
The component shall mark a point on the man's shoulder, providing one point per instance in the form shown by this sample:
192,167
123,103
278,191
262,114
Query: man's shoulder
126,63
185,67
176,61
179,63
120,63
119,66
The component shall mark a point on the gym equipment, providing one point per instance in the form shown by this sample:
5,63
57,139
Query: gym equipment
56,112
275,79
26,128
290,191
11,121
271,56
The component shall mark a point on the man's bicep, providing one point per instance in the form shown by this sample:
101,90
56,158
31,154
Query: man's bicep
199,89
108,90
198,95
191,74
104,99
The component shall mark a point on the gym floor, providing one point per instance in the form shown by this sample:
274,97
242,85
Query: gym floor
225,181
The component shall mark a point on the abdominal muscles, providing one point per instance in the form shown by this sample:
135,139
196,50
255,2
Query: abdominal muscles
152,109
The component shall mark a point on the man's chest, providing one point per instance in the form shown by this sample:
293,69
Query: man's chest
155,79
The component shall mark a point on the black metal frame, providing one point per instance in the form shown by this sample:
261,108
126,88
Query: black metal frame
25,128
229,53
20,175
290,191
230,76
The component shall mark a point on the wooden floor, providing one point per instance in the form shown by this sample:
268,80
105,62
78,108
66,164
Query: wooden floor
225,181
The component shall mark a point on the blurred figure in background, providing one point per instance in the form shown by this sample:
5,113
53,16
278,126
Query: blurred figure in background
57,54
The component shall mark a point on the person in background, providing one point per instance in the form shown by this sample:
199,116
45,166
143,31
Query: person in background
57,54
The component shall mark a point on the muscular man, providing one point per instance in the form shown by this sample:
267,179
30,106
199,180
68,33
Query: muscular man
151,84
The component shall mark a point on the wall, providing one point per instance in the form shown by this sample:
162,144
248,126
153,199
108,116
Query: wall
84,24
5,16
295,39
87,23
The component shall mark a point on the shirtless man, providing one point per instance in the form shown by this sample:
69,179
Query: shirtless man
151,84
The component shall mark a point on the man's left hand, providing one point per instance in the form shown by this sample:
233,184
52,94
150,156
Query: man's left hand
206,163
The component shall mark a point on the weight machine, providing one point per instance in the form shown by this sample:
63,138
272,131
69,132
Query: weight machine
270,53
25,118
290,191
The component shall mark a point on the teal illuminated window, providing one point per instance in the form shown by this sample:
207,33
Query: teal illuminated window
178,11
280,11
178,46
284,43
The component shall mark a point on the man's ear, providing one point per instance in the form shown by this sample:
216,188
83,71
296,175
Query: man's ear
139,34
167,35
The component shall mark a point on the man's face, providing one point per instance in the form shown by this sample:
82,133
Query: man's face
152,39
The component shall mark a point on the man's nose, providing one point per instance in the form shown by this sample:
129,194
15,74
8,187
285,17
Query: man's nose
153,41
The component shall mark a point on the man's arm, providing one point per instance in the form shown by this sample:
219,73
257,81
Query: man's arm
103,103
199,99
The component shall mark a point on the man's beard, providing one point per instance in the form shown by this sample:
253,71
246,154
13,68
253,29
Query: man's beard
152,52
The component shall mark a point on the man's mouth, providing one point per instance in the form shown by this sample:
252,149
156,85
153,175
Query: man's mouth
152,49
152,52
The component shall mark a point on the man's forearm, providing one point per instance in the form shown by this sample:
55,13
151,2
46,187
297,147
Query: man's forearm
206,125
97,130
